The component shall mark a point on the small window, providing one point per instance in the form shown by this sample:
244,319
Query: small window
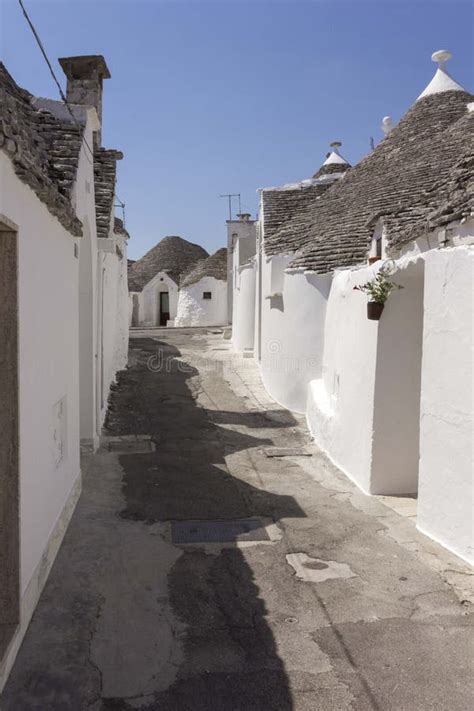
207,295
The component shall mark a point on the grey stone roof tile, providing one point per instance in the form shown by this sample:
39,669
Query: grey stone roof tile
173,255
213,266
403,179
43,149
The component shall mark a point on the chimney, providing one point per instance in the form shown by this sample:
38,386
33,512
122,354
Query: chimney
387,125
85,75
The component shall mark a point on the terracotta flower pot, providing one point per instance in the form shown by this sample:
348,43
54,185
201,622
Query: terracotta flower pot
374,310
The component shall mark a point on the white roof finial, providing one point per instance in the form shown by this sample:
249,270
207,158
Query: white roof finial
441,57
441,80
387,125
335,156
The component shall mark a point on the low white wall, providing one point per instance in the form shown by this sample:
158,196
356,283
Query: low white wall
243,318
445,484
364,410
193,310
149,311
291,332
48,366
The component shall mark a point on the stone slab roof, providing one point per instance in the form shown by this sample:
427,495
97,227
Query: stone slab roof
105,174
396,181
281,206
214,266
173,255
43,149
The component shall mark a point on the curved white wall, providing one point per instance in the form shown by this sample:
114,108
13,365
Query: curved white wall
193,310
243,318
446,488
292,331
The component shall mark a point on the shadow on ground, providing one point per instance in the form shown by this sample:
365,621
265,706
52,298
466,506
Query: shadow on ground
231,661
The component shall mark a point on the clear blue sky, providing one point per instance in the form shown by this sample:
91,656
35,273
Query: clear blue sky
229,96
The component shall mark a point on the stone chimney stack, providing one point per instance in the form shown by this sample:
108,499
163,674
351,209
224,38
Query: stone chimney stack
85,75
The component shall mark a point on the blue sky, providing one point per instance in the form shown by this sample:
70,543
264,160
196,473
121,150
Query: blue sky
229,96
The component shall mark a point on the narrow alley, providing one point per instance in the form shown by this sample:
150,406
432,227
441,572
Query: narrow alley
315,598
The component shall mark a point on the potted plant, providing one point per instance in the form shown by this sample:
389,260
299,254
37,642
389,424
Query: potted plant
378,290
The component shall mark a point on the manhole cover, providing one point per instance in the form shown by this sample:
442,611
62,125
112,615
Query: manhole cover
287,452
131,446
218,531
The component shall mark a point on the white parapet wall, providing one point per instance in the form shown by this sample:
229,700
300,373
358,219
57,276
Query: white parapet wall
291,323
243,318
445,499
196,310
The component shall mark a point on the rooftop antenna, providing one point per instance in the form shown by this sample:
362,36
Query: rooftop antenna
229,196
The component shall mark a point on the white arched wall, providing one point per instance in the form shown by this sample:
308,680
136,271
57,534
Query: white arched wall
293,308
243,318
194,310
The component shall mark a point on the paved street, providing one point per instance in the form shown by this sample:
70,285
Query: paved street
341,604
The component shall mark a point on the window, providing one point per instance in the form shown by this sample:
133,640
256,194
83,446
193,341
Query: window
207,295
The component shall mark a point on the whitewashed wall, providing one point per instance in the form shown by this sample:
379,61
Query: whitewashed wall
292,331
364,410
193,310
113,347
149,311
89,326
243,318
48,275
446,444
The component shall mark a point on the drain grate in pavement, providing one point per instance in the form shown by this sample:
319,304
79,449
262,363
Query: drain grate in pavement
287,452
218,531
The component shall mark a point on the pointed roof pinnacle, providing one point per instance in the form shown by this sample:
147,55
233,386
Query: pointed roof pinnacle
441,81
334,157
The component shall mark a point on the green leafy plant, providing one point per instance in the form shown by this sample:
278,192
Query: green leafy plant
379,288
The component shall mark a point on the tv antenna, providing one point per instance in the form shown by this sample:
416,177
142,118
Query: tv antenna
229,196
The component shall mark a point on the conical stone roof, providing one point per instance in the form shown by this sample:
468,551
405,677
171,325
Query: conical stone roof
173,255
394,180
214,266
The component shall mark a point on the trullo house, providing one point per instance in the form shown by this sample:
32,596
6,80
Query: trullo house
389,400
63,315
202,297
154,279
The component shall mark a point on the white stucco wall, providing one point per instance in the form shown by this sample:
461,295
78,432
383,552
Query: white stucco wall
89,328
113,347
445,499
149,311
292,331
364,410
243,318
48,366
193,310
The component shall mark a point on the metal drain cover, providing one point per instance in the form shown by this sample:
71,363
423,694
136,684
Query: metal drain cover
218,531
131,446
287,452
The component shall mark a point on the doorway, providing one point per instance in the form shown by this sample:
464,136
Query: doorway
9,441
164,315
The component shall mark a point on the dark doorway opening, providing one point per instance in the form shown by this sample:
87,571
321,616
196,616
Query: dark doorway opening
9,467
164,308
135,310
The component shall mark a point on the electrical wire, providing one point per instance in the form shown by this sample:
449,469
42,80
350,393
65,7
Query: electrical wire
61,94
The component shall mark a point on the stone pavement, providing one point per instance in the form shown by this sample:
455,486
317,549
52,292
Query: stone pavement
344,605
